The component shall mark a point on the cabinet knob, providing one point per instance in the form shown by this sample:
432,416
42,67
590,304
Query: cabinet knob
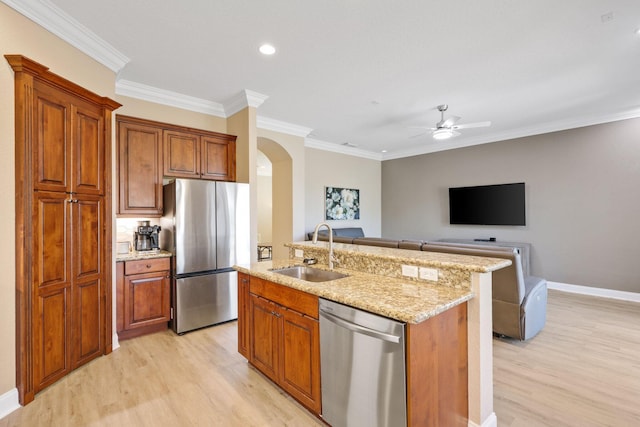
148,265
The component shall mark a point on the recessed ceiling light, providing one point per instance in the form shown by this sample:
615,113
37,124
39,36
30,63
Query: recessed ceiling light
384,151
267,49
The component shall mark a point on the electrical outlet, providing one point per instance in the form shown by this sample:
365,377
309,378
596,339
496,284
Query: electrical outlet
410,270
429,273
299,253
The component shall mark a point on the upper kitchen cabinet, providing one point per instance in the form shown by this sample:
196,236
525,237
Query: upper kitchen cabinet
218,157
149,150
69,153
201,155
139,167
182,152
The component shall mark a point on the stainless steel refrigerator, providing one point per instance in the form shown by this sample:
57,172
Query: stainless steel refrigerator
206,227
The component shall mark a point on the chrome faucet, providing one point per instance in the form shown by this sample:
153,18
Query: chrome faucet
315,240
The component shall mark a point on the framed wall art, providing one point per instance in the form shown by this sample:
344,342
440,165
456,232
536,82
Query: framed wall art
341,203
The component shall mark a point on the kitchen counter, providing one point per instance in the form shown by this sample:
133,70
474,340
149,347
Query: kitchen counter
403,300
136,255
382,289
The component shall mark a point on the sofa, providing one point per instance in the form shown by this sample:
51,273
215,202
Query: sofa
519,300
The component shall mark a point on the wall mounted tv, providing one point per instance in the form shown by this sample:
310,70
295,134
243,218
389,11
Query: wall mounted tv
501,204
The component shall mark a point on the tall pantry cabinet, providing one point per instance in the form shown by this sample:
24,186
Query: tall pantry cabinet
63,225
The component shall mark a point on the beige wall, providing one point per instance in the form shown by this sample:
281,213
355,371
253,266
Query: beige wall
327,169
265,208
163,113
287,156
582,200
19,35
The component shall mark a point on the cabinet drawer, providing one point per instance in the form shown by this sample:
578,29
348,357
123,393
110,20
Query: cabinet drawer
146,266
293,299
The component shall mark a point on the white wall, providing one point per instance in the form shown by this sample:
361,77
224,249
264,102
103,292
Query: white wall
327,169
582,200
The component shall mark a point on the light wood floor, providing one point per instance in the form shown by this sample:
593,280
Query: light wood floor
583,369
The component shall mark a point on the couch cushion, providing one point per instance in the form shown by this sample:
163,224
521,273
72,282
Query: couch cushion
376,241
348,232
508,282
415,245
352,232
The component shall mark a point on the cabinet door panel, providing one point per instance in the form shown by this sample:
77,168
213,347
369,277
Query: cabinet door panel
300,364
89,311
87,327
146,299
51,253
52,148
243,314
181,154
88,149
139,169
264,330
51,339
87,228
218,159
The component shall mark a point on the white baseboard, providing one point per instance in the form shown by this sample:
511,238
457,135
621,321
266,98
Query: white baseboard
596,292
491,421
9,402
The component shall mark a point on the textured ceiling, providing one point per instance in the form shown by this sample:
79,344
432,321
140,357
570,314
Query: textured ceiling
366,71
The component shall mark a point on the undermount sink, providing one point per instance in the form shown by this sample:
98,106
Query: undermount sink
309,274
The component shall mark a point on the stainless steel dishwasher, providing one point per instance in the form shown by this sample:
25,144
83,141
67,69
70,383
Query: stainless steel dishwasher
362,367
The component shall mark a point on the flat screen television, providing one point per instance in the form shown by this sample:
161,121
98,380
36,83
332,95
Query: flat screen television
501,204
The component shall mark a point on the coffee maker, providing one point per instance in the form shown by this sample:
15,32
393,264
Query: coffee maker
146,238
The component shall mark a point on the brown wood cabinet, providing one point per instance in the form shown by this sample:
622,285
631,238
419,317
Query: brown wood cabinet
243,314
63,226
188,154
142,297
139,167
149,150
284,338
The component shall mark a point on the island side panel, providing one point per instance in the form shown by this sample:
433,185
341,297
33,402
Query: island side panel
437,375
480,337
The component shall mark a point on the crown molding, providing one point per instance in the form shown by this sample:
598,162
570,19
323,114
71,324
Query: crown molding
167,97
244,99
549,127
282,127
341,149
58,22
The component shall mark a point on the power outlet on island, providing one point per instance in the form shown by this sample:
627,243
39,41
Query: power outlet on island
429,274
410,271
298,253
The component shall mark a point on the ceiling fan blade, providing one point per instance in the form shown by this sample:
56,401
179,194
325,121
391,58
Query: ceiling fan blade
449,122
472,125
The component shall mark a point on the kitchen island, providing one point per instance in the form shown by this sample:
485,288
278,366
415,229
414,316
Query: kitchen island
448,316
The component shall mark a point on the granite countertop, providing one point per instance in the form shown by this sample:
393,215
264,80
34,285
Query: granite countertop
358,253
135,255
404,300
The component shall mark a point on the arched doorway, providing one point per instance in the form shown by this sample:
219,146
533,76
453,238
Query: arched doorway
281,196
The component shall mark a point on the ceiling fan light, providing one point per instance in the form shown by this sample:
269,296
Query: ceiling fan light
442,134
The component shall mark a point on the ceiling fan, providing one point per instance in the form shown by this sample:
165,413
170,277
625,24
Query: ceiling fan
446,129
